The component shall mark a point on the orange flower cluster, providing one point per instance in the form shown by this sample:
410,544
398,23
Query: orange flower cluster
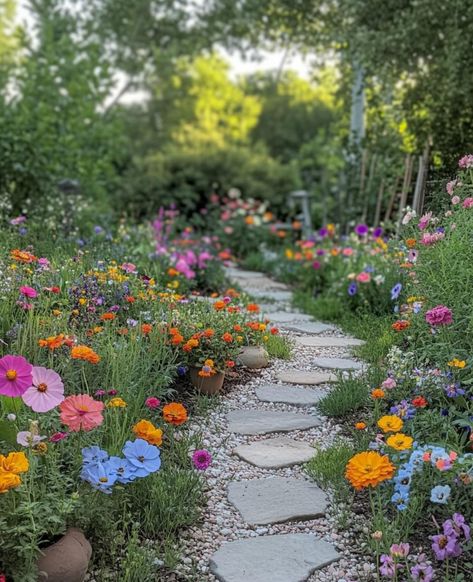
144,429
10,467
146,328
401,325
56,341
369,469
85,353
176,337
377,393
252,308
22,256
107,316
175,413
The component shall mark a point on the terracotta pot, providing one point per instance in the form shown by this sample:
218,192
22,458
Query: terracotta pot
67,559
207,384
253,357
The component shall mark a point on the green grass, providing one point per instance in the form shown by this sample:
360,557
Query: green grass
348,394
327,467
279,346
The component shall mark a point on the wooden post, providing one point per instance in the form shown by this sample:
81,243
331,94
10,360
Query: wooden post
405,191
379,201
392,199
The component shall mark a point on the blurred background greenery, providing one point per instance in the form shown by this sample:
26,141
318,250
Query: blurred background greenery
197,129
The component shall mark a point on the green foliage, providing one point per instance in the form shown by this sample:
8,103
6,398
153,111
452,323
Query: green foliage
188,177
348,395
279,346
327,468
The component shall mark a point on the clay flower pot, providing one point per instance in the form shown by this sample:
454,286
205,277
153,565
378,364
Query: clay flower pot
253,357
66,560
207,384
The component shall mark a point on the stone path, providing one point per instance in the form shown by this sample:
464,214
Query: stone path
265,520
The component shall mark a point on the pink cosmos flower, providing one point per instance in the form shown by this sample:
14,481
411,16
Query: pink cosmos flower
44,263
408,217
46,392
424,221
347,252
429,239
15,375
18,220
28,292
439,315
456,200
152,402
129,268
363,277
451,186
468,202
81,412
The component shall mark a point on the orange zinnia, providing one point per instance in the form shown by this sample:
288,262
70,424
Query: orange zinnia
177,339
144,429
85,353
369,469
401,325
146,328
22,256
219,305
175,413
411,243
377,393
53,342
107,316
252,307
227,337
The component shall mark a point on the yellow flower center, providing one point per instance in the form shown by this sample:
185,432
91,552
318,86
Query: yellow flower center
42,387
11,375
103,479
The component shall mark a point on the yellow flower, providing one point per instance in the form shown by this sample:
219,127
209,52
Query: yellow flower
400,441
116,403
82,301
14,463
456,363
390,423
289,254
265,338
369,469
8,481
56,312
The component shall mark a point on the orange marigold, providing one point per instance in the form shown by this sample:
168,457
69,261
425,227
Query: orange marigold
22,256
85,353
146,328
400,441
107,316
390,423
401,325
227,337
411,243
252,307
174,413
369,469
219,305
377,393
360,425
53,342
177,339
144,429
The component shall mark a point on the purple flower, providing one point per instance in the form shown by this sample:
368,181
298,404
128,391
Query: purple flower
456,527
323,232
388,566
454,390
404,410
445,547
399,550
396,291
361,229
352,289
423,572
377,232
439,315
202,459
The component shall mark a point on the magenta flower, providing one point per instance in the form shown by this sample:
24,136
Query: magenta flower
361,229
15,375
466,162
316,265
46,392
202,459
152,402
439,315
28,292
468,202
58,436
424,221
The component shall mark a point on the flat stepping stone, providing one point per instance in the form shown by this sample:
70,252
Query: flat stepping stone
328,342
274,295
240,273
277,500
337,364
289,394
311,327
307,378
275,453
267,421
276,558
286,316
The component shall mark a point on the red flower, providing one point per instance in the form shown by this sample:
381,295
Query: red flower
419,402
274,331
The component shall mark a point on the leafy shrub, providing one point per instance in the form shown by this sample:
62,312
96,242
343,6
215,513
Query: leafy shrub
327,468
349,394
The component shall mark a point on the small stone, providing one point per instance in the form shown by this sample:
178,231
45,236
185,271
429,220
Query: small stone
311,327
286,317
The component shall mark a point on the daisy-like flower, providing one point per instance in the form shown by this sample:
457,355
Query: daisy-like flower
46,392
81,412
15,375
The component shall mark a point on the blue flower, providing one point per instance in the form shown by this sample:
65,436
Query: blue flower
143,456
396,291
125,471
403,477
100,475
440,494
352,289
181,370
93,455
454,390
400,499
404,410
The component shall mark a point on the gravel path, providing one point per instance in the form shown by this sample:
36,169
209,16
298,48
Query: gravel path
221,522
